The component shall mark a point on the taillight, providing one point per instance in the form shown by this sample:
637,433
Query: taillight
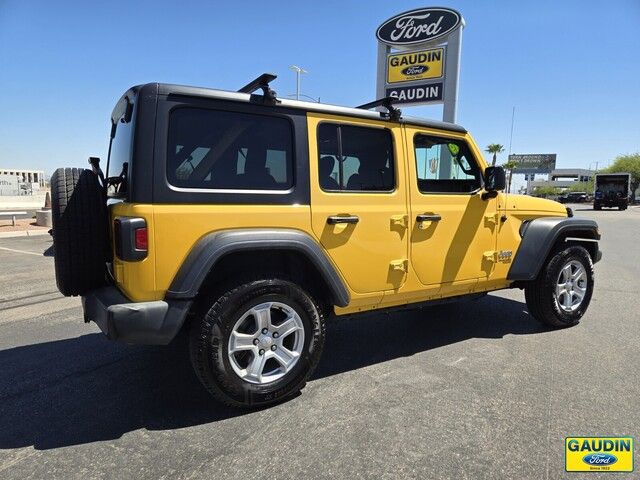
131,238
141,241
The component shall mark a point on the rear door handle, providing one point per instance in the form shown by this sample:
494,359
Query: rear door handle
335,219
428,217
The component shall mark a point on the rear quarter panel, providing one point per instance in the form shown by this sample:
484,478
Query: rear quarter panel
137,280
175,229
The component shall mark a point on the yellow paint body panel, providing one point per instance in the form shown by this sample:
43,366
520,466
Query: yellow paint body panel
137,280
179,227
175,229
384,260
364,252
451,250
517,209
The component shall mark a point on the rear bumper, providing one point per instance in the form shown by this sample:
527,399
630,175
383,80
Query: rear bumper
148,323
611,203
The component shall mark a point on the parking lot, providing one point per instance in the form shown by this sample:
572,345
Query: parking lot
470,390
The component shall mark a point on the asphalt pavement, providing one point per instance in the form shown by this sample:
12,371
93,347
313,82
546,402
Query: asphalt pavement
470,390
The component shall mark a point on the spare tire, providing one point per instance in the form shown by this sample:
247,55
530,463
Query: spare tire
79,215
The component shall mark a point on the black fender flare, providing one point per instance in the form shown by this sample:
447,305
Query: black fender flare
538,238
214,246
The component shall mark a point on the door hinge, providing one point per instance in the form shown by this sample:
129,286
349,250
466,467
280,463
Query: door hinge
400,220
490,256
400,265
492,219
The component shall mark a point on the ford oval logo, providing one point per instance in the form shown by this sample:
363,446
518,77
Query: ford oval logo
602,459
418,26
415,70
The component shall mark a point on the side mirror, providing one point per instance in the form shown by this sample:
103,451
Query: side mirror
494,179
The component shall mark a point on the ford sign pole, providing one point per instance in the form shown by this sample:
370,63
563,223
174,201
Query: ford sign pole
383,51
452,76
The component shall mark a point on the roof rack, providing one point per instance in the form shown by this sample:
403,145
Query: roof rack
262,82
386,102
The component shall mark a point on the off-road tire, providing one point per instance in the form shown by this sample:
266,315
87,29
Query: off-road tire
78,213
539,293
209,340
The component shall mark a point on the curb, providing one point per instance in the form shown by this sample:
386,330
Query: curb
24,233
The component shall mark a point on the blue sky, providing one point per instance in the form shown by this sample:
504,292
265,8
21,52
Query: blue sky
571,68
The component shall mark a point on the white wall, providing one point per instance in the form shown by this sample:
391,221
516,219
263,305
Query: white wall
22,202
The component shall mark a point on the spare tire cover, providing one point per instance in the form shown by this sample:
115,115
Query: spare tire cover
79,230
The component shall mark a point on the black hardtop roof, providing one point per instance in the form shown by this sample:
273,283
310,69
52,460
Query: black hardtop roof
170,89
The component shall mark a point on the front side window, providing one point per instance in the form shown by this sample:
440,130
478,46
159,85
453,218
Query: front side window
445,165
355,158
215,149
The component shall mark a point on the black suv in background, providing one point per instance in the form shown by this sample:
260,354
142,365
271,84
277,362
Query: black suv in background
573,197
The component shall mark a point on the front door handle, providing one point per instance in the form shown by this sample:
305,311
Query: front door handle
335,219
428,217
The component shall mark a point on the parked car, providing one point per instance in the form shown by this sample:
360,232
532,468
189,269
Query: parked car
573,197
245,220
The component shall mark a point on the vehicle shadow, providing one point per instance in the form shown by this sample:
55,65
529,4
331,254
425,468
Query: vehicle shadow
364,340
87,389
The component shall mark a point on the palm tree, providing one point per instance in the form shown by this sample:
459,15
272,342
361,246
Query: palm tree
510,165
495,149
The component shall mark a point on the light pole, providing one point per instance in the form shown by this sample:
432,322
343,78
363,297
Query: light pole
298,70
317,100
513,116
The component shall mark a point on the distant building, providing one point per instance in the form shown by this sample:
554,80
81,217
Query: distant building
26,176
20,182
564,178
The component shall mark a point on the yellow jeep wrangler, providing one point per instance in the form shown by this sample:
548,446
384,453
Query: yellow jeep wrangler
245,220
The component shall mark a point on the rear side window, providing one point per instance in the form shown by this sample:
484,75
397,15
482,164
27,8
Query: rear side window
355,158
121,152
215,149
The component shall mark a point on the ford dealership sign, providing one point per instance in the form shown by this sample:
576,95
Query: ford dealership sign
418,26
419,60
